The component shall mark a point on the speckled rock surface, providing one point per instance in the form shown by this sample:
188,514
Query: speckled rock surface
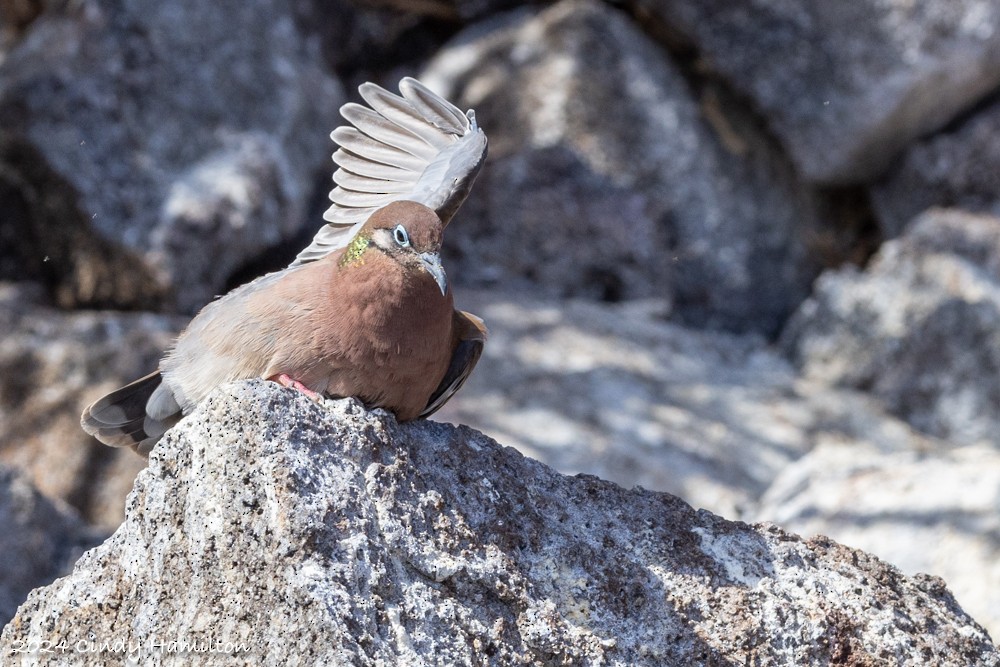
957,168
615,391
921,512
274,531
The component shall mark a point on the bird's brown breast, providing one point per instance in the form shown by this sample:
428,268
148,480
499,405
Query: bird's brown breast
373,329
378,331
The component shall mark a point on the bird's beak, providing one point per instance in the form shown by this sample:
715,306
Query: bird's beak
432,262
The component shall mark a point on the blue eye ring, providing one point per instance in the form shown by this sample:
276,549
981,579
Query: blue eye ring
401,236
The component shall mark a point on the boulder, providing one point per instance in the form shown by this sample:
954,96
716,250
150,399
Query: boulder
40,539
918,328
845,85
606,181
272,530
185,148
958,168
52,365
923,512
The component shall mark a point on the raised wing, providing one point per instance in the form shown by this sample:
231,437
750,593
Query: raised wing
417,146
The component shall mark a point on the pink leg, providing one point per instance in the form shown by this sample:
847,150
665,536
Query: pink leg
287,381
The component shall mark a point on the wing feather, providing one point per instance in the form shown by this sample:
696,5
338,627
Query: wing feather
376,171
351,181
415,146
402,113
352,140
361,199
433,108
470,338
380,128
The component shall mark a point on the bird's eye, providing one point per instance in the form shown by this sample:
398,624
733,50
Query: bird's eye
402,238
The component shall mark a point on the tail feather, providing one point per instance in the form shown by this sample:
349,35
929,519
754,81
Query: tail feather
121,418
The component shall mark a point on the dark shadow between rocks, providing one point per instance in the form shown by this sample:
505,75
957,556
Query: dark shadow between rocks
45,236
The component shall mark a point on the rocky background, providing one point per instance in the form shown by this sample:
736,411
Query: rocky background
746,253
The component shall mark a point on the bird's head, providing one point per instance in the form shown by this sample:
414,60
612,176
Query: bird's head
409,233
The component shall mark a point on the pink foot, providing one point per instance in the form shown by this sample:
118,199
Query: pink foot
287,381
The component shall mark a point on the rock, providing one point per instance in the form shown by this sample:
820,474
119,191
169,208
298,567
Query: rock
54,364
272,530
182,144
918,328
605,181
46,238
845,85
923,513
448,10
363,41
39,540
15,17
615,391
958,168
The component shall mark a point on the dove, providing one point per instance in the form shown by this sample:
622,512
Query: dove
366,310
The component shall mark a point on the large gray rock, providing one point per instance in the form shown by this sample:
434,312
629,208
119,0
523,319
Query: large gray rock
324,534
959,168
615,391
190,135
52,365
846,85
919,328
923,512
605,181
39,540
